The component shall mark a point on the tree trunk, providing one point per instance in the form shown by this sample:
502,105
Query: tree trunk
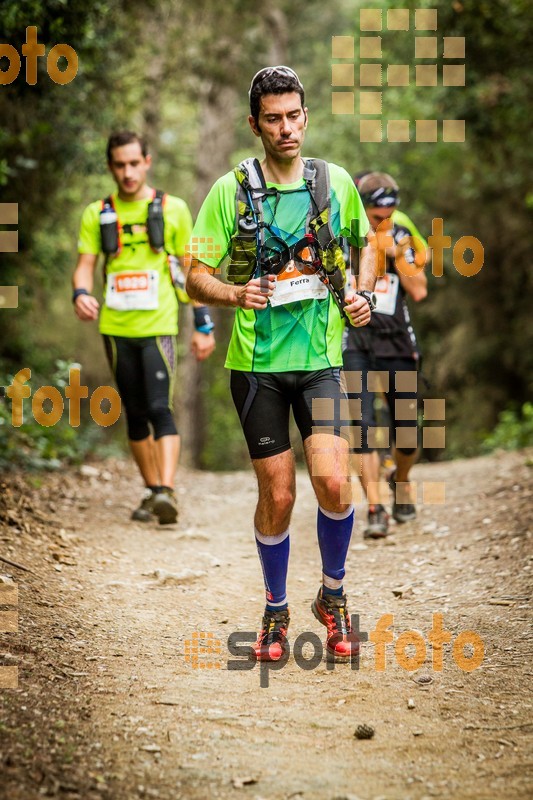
215,146
276,29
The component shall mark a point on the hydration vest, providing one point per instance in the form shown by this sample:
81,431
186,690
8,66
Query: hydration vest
250,228
111,230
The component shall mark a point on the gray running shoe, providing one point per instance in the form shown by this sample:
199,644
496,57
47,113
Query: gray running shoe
378,522
166,506
402,512
145,512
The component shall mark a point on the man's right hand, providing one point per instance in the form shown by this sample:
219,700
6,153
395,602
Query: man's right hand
86,307
256,292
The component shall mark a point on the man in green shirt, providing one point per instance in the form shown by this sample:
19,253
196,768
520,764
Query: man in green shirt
142,234
285,349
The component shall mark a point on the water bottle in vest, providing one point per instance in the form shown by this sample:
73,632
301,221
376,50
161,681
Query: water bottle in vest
109,230
156,224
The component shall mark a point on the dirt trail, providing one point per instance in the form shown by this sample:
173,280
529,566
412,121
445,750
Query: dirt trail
109,705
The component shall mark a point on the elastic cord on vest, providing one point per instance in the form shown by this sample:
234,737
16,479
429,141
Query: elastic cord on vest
202,320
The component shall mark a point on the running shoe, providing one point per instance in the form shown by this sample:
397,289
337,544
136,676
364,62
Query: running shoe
402,512
272,641
166,506
145,512
341,642
378,522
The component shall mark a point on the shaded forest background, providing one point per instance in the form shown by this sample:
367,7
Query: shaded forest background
179,73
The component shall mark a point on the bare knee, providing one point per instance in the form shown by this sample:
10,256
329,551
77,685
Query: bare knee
280,500
333,493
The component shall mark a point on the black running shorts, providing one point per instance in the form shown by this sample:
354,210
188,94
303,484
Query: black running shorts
362,364
144,371
263,401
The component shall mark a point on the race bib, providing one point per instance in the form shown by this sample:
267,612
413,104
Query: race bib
292,285
386,291
133,291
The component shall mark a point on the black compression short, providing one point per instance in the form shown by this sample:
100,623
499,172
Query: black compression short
144,371
361,364
263,401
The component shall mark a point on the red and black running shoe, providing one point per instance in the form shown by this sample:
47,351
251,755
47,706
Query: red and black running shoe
272,641
341,642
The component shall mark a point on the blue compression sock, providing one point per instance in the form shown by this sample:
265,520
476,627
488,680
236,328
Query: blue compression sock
274,556
334,534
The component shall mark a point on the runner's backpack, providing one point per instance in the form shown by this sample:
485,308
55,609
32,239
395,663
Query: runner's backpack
250,229
111,229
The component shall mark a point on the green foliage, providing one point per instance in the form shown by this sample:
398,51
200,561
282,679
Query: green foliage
513,431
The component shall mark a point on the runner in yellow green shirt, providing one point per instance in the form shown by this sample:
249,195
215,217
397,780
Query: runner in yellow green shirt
142,234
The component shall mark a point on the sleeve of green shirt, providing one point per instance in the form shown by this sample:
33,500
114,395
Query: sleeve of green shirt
89,238
215,223
354,222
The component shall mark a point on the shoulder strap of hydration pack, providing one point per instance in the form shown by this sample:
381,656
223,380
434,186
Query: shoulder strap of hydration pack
155,222
316,176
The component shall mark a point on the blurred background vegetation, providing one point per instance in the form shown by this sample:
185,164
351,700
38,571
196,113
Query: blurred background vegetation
179,72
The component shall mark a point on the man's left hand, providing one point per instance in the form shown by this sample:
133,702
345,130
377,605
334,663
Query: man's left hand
202,345
357,309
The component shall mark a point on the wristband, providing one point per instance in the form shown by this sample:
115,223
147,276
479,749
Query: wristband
77,293
202,321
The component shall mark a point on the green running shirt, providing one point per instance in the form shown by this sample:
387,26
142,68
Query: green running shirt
302,335
137,256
